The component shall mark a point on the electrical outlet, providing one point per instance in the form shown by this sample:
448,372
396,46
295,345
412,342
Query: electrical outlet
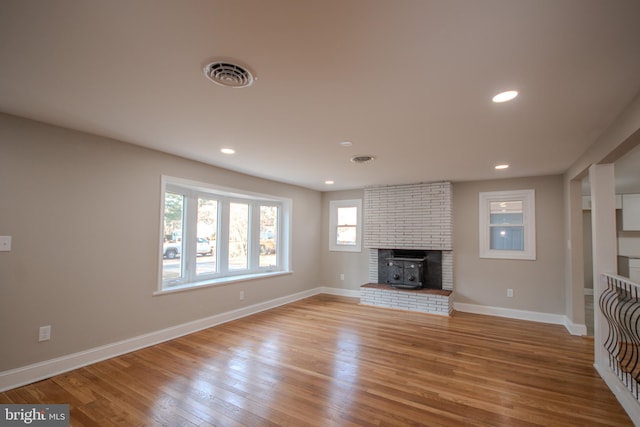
510,293
241,295
341,276
44,334
5,243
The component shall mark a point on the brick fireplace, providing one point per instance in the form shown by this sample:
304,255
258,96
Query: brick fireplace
414,220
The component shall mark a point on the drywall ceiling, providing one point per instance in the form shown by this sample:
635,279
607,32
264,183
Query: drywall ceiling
407,81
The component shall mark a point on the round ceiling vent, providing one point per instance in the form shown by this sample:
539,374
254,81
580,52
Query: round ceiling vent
362,159
228,74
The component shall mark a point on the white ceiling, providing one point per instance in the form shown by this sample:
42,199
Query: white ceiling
408,81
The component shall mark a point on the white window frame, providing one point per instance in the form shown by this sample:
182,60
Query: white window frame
333,225
224,196
529,223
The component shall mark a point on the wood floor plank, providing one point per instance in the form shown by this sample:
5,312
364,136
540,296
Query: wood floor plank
328,361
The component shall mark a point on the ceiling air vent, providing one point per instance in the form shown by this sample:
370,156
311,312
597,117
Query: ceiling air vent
362,159
228,74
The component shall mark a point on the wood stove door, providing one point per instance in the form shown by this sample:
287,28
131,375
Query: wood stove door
413,273
395,275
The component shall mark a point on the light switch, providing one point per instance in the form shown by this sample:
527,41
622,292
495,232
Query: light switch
5,243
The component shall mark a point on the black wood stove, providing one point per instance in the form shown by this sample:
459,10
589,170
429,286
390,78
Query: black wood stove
406,273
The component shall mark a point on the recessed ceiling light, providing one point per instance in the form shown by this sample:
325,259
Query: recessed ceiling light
227,151
505,96
329,182
500,167
346,143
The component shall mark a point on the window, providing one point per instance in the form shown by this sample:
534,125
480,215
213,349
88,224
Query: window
507,225
345,225
212,235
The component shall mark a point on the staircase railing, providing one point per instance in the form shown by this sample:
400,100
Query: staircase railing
620,305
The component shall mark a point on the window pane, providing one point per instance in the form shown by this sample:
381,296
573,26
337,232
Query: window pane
348,216
207,228
509,212
507,238
506,219
238,236
268,234
172,243
346,235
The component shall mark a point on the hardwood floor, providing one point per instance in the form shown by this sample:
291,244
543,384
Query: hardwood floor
328,361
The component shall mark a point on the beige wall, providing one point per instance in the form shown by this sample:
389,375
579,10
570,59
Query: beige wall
84,213
537,285
354,265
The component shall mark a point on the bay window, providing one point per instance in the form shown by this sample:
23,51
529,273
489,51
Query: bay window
214,235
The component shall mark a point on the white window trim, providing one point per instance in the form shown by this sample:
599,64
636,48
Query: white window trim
529,222
220,192
333,225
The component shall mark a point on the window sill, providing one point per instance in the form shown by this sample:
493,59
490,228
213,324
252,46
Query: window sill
345,249
218,282
520,255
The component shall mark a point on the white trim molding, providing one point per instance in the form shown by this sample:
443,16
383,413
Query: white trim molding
579,329
339,291
534,316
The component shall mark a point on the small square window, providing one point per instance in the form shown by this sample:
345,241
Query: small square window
507,225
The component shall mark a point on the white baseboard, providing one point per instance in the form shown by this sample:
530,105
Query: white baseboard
338,291
534,316
28,374
575,328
